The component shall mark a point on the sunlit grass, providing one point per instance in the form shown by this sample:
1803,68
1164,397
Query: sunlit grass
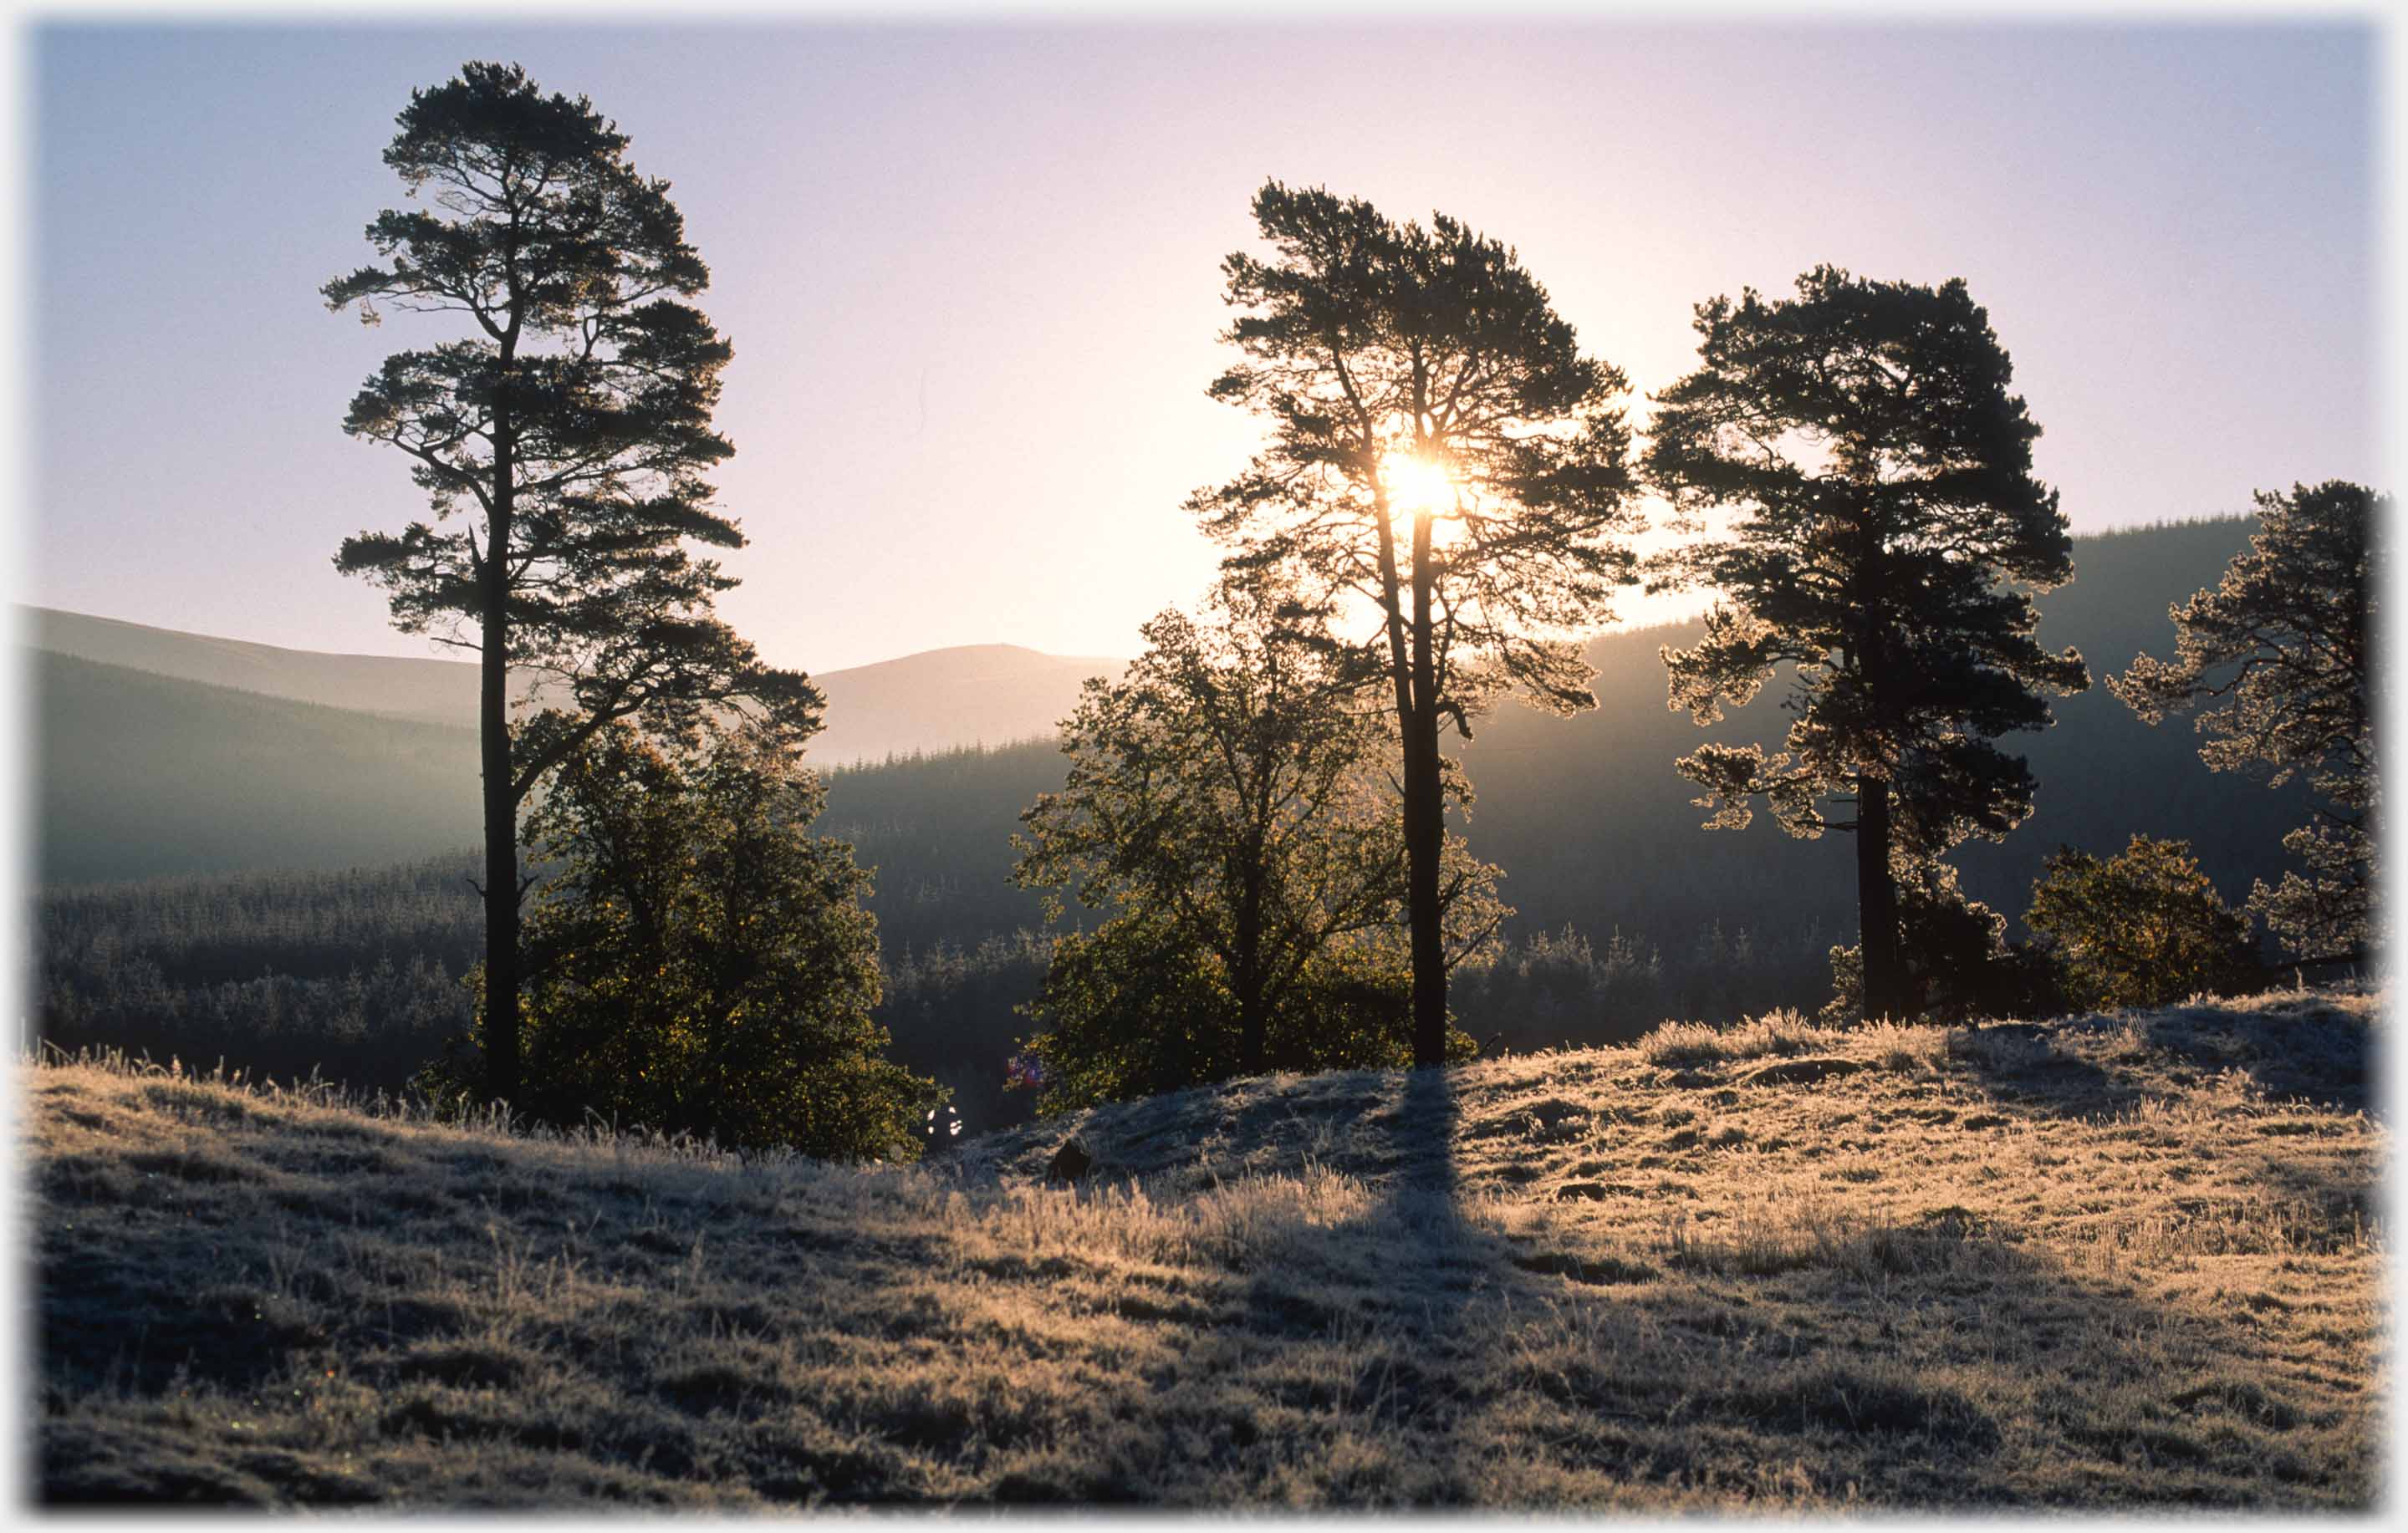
2114,1261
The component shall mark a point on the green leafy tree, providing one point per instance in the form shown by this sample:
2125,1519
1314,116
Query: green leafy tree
701,963
2141,928
1442,456
1882,516
562,441
1228,802
2281,648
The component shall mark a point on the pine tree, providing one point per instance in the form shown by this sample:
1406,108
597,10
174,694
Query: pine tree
562,444
1877,474
1442,455
2282,647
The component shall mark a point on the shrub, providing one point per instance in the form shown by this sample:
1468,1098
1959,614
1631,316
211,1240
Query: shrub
1134,1009
1954,958
2141,928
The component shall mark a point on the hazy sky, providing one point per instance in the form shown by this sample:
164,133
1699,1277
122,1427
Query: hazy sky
971,273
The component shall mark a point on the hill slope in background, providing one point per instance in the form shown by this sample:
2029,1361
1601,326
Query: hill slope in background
2105,1261
1593,825
1586,815
937,700
429,691
972,694
138,775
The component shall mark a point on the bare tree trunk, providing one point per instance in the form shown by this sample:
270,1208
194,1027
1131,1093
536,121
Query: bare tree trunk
1425,837
1424,823
501,1020
1877,903
501,881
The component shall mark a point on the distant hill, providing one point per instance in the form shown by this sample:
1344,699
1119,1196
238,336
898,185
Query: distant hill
136,774
942,699
142,776
970,694
431,691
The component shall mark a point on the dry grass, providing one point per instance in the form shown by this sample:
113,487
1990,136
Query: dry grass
2110,1262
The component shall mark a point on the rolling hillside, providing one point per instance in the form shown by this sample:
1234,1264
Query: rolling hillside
136,774
429,691
2130,1262
972,694
936,700
1587,816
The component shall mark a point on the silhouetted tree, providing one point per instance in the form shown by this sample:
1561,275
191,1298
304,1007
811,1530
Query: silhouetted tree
702,963
2144,927
1229,800
1880,474
1441,453
562,444
2281,643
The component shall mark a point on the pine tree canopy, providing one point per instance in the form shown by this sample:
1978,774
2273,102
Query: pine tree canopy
1430,414
1881,531
563,443
2279,649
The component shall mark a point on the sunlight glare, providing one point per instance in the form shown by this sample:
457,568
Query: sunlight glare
1418,484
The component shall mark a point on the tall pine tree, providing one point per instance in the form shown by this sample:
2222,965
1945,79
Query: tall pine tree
1881,515
562,442
1442,456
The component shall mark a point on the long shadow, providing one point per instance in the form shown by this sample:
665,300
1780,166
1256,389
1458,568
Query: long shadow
2020,1065
1432,1275
1914,1361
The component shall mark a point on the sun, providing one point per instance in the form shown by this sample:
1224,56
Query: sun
1419,484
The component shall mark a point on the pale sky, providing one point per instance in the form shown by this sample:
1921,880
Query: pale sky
970,272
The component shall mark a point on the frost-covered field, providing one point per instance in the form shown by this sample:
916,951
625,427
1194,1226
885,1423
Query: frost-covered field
2103,1262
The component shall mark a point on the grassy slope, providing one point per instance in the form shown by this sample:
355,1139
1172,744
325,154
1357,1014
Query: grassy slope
2103,1261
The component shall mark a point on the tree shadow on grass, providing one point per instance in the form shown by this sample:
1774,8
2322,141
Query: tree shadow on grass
2021,1065
1438,1356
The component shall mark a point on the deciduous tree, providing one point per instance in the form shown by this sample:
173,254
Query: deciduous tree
1883,529
702,963
1230,802
2144,927
1442,456
562,440
2280,648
